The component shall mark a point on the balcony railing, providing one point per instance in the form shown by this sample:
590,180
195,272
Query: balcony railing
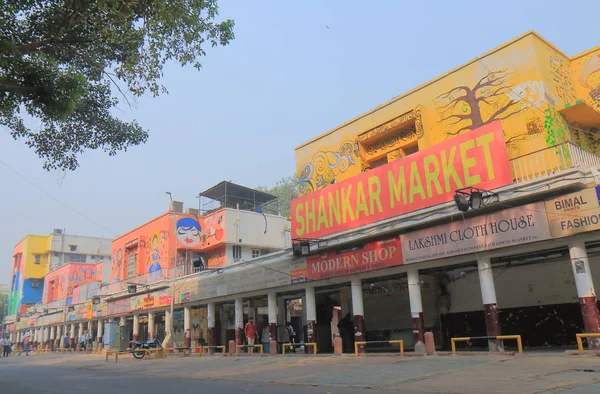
551,160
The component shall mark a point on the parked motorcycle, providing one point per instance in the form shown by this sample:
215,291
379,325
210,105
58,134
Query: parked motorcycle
138,348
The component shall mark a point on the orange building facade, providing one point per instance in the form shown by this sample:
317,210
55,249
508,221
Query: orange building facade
60,283
153,250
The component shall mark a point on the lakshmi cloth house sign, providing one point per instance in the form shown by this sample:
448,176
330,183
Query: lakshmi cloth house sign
509,227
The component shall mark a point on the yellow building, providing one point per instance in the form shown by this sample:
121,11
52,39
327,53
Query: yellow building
542,97
30,264
35,255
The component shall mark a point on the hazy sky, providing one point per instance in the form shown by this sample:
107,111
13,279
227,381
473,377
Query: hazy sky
295,70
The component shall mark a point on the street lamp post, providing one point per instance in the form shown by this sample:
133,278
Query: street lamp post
170,322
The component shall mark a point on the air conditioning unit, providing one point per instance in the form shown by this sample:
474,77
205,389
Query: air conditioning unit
192,211
176,207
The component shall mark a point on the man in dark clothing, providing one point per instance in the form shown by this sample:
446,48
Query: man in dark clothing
346,327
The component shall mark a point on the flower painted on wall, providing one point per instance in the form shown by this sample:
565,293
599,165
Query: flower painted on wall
188,231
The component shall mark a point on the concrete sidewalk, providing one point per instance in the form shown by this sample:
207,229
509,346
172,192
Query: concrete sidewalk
477,374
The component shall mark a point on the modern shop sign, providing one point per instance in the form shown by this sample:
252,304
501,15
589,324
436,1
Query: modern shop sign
574,213
369,257
510,227
423,179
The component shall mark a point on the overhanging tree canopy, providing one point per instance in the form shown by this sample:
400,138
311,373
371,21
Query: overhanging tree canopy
61,63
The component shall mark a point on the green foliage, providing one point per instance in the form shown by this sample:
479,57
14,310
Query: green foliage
285,190
61,60
3,306
555,126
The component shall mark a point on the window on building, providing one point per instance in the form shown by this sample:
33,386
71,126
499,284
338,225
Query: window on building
255,253
264,252
56,254
35,283
75,258
73,248
37,259
237,253
131,265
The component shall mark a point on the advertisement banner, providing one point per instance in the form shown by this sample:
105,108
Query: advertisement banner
426,178
510,227
369,257
574,213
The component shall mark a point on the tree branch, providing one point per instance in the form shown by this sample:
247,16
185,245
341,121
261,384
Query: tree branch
448,93
118,87
500,111
452,104
490,79
499,92
457,132
20,89
71,20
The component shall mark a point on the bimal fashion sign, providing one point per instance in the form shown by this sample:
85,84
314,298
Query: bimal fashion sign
423,179
574,213
514,226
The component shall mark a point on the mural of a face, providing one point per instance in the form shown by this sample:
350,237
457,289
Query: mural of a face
188,232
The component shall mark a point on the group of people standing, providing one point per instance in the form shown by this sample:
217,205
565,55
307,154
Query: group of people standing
6,346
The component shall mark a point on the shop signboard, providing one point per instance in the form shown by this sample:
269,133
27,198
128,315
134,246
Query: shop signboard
423,179
368,257
509,227
574,213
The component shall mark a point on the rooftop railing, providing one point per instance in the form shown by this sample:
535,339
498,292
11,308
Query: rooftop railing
548,161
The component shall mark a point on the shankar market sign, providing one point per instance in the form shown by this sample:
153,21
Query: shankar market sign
369,257
509,227
426,178
574,213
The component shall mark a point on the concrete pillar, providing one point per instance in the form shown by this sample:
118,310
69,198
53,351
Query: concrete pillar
311,315
272,308
187,326
58,339
72,336
490,307
211,324
19,344
168,323
585,291
150,325
239,321
51,342
99,334
358,311
136,326
416,306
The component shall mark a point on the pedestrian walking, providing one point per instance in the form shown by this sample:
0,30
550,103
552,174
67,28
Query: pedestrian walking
83,341
26,344
291,336
250,332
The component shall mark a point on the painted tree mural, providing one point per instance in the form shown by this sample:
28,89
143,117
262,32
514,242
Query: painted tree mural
466,108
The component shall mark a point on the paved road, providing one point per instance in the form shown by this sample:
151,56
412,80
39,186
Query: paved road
65,374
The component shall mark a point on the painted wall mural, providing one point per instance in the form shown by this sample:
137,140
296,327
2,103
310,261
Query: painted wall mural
154,247
325,166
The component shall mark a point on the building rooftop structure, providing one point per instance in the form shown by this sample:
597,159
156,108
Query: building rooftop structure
232,195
